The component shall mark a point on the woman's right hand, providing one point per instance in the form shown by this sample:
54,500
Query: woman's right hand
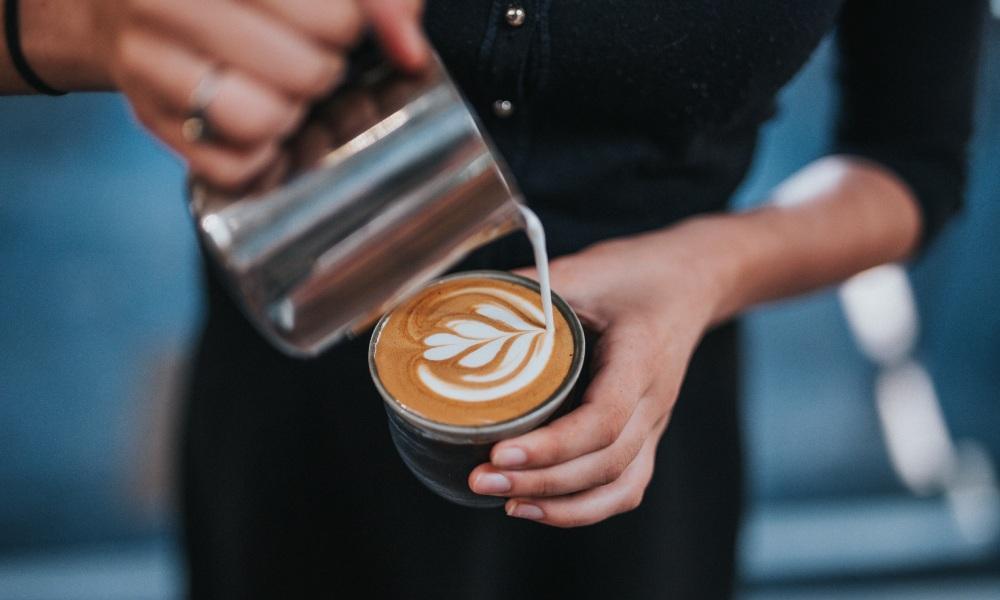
273,59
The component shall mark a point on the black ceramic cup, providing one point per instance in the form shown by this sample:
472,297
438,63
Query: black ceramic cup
442,455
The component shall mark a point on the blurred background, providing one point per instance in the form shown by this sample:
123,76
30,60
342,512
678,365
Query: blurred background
871,411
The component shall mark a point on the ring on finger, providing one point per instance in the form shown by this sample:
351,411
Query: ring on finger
197,128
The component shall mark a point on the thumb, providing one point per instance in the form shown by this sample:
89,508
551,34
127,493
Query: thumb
397,25
561,271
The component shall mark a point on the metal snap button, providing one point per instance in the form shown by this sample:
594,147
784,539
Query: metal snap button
503,108
515,15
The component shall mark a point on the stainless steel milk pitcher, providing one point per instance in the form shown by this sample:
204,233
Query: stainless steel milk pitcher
389,182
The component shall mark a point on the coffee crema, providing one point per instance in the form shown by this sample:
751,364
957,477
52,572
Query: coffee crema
472,351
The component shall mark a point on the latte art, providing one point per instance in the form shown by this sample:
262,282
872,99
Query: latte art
473,351
499,330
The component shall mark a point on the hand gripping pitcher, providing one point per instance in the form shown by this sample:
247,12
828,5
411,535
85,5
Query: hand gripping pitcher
389,182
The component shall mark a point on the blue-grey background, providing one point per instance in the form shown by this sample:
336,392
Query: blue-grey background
99,300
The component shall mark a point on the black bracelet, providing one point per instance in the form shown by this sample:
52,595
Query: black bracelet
12,29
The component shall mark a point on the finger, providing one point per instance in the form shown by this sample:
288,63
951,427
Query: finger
566,276
564,284
339,24
243,111
223,166
239,36
588,471
562,271
621,379
397,24
271,175
594,505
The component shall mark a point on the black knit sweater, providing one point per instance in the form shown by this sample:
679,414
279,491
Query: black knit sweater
630,114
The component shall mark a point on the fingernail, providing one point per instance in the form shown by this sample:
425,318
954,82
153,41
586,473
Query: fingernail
491,483
525,511
506,458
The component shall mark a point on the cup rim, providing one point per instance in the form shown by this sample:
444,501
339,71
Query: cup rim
494,431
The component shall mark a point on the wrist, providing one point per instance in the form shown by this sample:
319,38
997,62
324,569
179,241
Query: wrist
66,42
711,249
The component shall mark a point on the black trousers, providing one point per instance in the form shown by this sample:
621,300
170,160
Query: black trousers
291,488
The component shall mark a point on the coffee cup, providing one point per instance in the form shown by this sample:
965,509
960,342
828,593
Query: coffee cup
468,361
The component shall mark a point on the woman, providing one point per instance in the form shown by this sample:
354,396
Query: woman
628,125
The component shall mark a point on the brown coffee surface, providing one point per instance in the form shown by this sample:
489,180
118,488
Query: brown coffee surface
472,351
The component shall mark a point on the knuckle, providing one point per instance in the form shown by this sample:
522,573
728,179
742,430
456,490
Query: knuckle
632,501
613,469
618,415
264,122
609,428
547,449
346,26
543,486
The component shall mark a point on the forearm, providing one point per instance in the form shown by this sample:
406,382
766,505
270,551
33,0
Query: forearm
63,42
831,220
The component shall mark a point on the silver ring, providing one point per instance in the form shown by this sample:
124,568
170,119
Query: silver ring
196,128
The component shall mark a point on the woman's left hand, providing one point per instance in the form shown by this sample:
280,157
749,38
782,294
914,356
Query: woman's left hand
650,302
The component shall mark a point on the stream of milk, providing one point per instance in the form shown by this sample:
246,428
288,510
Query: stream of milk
536,235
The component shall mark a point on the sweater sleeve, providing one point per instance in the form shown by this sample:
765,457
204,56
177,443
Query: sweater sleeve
907,75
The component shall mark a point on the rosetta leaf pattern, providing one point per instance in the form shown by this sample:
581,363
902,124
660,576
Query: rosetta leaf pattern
481,342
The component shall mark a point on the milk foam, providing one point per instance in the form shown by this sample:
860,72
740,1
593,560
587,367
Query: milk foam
479,342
